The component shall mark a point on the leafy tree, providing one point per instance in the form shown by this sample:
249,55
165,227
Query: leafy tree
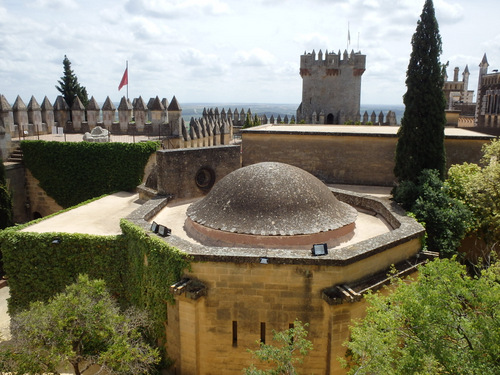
256,120
248,121
446,219
83,327
477,187
421,135
69,86
292,346
444,323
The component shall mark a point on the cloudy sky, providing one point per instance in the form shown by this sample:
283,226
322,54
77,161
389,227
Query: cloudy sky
226,51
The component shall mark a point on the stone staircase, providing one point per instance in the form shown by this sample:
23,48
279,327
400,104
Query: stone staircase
16,156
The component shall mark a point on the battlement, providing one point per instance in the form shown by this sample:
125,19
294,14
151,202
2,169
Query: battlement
332,60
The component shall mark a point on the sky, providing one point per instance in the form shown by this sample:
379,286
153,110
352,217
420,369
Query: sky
227,51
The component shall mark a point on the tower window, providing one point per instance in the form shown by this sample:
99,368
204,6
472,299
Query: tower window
263,332
235,333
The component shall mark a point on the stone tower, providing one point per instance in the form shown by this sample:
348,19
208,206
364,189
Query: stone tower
480,103
331,87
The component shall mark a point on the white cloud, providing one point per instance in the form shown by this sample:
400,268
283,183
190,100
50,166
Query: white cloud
176,8
56,4
254,57
313,41
447,12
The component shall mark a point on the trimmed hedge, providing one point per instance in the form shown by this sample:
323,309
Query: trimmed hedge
37,268
72,172
137,266
153,266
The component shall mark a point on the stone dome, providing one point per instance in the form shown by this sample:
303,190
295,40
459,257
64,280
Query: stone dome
271,199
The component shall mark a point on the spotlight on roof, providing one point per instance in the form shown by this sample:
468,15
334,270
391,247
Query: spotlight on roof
319,249
154,227
164,231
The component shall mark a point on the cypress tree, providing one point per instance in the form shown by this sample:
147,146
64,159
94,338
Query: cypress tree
69,86
421,135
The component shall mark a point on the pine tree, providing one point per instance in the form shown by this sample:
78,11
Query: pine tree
69,86
421,135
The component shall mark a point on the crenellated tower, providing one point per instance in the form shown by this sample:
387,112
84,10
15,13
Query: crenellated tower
331,87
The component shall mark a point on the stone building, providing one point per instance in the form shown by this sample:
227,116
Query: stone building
488,97
457,91
331,87
253,269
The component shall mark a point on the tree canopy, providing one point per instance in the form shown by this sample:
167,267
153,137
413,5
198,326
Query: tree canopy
81,327
291,347
421,135
69,86
444,323
477,187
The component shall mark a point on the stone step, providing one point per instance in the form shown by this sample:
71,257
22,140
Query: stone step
16,156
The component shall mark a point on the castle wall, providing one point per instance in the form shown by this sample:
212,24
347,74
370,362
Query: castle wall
250,294
16,181
344,158
39,201
190,173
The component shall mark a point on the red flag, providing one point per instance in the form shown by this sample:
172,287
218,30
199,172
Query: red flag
124,80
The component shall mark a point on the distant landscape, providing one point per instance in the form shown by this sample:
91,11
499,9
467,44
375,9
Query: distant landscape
196,109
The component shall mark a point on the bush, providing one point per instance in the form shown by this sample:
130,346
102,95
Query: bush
446,220
73,172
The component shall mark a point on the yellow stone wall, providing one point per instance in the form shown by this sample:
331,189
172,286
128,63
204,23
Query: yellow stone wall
38,199
200,332
344,159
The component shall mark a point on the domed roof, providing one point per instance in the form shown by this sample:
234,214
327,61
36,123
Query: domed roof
271,199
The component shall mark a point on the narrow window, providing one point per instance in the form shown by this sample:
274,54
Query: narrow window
263,332
290,326
235,333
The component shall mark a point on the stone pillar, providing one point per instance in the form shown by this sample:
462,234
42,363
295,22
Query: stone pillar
20,114
175,123
216,134
6,127
93,113
140,114
225,132
6,115
185,135
48,114
35,115
125,116
381,118
210,134
321,118
77,115
108,113
61,112
192,132
157,114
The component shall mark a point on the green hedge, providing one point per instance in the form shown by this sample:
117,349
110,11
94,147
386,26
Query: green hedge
153,266
37,268
137,266
72,172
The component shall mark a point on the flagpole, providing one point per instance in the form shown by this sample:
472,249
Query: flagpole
348,36
127,79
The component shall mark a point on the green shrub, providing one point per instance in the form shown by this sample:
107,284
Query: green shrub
72,172
446,220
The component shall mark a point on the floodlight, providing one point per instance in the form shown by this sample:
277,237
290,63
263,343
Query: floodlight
319,249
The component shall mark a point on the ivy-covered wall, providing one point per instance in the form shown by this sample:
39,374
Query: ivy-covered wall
137,266
72,172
